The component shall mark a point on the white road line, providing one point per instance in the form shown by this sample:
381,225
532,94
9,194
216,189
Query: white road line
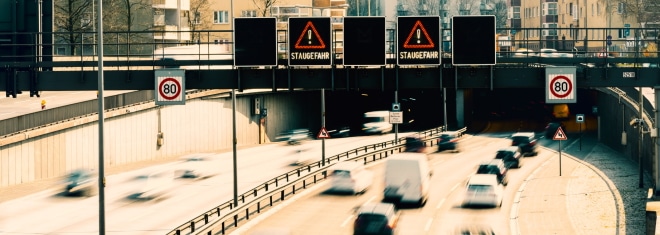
440,204
370,200
348,219
428,224
454,188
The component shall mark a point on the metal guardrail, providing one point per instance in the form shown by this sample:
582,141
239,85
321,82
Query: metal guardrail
632,104
225,217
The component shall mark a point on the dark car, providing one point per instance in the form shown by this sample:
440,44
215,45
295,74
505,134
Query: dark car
376,219
295,136
80,183
510,155
496,167
526,141
551,129
449,141
342,131
415,144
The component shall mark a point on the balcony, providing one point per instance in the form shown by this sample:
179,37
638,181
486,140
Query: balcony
170,32
171,4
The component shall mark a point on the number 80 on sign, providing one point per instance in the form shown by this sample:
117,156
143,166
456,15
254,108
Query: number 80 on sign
170,87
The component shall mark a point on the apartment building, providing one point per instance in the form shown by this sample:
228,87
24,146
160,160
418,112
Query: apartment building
171,21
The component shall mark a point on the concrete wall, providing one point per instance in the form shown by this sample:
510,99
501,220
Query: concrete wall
130,135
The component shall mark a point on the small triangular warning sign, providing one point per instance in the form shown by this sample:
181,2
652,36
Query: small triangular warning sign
323,134
309,38
559,135
420,38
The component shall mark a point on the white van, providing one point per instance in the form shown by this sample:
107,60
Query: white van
407,178
377,122
350,176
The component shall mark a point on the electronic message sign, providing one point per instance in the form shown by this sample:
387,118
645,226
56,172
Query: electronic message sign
418,40
309,41
255,41
364,41
473,40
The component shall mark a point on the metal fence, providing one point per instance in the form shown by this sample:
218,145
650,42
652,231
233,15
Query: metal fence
226,217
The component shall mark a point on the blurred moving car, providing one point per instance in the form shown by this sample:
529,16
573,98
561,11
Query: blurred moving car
153,186
495,167
548,52
483,190
524,52
294,136
448,140
339,132
377,122
475,230
551,129
376,219
526,141
510,155
351,177
414,143
407,178
81,182
197,166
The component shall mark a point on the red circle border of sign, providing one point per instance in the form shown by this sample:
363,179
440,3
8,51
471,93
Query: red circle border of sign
570,86
160,91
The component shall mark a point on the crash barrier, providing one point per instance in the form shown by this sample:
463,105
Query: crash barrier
228,216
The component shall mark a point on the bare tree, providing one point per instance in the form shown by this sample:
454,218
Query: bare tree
501,15
640,11
129,16
71,19
467,7
198,20
263,6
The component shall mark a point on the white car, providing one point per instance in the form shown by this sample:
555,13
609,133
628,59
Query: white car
351,177
548,52
154,185
483,190
197,166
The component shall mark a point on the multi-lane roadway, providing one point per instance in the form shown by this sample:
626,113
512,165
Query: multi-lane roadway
50,212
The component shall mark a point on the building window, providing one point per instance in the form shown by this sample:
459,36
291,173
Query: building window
549,8
621,9
514,13
552,31
220,17
198,18
249,13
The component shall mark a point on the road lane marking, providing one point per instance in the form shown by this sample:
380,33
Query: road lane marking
440,204
454,188
370,200
428,224
348,219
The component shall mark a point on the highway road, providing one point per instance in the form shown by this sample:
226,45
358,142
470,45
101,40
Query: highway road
24,104
48,212
321,212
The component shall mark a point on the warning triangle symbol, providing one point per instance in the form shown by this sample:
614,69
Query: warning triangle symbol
559,135
418,38
309,38
323,134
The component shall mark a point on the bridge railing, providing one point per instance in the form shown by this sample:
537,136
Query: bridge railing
125,50
226,217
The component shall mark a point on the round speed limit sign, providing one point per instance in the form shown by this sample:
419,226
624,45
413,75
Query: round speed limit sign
561,87
170,87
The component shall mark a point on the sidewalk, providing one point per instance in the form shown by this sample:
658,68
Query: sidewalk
597,193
